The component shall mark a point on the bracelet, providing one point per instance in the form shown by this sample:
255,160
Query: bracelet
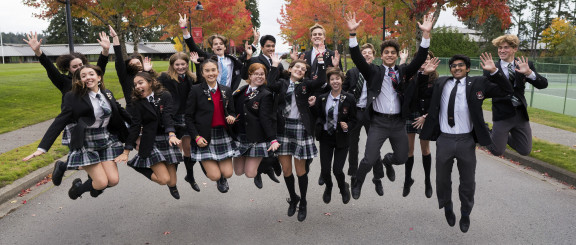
171,135
353,34
198,138
274,141
183,27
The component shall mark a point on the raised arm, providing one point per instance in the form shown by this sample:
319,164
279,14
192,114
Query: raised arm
532,77
355,53
104,42
500,86
420,58
57,78
188,38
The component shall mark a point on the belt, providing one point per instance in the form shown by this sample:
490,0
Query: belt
387,115
360,108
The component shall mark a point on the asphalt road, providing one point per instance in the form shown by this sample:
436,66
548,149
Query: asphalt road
513,206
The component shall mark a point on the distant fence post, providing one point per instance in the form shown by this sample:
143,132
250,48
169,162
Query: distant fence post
566,91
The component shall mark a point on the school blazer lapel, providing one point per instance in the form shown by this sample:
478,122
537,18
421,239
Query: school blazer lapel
149,106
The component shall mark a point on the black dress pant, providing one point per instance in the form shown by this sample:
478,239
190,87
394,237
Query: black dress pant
329,149
363,120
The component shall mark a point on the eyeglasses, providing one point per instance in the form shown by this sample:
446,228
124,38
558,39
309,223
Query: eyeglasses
457,65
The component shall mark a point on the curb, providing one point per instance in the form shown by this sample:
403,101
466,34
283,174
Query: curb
544,167
10,191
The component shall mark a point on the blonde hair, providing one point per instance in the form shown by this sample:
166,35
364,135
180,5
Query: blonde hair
317,26
510,39
179,56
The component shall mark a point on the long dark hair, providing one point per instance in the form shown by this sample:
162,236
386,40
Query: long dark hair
63,62
129,68
78,87
156,86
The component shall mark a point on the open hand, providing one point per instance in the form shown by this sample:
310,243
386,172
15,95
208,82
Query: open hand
33,155
336,59
487,62
34,43
431,66
523,66
147,64
351,21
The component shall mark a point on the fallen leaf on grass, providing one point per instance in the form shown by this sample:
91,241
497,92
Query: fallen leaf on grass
536,151
166,233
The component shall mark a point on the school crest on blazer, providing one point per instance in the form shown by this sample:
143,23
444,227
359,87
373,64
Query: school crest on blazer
253,94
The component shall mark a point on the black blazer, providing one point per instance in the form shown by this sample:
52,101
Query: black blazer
262,60
502,107
179,97
200,109
302,91
64,81
236,64
374,74
349,84
477,89
78,109
153,120
256,114
346,113
418,94
126,80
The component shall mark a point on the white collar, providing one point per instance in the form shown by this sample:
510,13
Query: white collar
151,95
93,94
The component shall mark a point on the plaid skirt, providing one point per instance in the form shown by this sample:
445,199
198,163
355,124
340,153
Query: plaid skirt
99,146
249,149
411,119
219,148
180,126
66,133
161,152
295,141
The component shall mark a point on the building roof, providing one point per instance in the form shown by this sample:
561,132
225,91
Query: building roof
87,49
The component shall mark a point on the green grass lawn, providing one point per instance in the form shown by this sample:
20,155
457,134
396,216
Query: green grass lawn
28,97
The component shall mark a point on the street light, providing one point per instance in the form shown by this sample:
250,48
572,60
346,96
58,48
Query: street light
69,24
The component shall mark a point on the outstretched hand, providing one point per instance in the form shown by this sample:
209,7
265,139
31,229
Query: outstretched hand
33,155
182,20
336,59
275,59
104,41
194,57
487,62
248,50
523,66
34,43
431,66
426,25
147,66
256,35
294,52
351,21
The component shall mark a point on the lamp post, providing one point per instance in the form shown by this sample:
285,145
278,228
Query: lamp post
384,24
198,7
69,24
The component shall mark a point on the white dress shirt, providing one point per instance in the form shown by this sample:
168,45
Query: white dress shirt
329,104
363,95
98,112
294,113
504,67
462,122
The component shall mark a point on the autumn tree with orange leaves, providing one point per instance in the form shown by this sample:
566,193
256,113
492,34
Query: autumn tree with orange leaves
131,17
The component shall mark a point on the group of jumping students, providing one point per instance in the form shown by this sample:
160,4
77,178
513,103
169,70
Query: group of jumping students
266,126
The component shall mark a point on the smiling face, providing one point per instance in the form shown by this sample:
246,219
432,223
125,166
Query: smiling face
458,69
269,48
317,37
389,56
335,82
90,79
506,52
368,55
258,77
218,46
180,66
297,71
210,72
142,86
74,65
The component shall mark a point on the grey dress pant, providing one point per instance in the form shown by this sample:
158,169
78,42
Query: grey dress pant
514,131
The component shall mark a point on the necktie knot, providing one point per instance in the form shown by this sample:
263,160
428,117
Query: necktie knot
151,99
212,90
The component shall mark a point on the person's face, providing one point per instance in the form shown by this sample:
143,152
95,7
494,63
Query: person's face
458,69
180,66
90,78
317,37
136,65
210,72
218,46
335,82
506,52
425,62
269,48
389,56
74,65
258,77
368,54
298,71
142,86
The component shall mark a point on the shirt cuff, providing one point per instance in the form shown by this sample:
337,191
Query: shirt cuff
187,36
353,42
532,76
41,149
492,74
425,43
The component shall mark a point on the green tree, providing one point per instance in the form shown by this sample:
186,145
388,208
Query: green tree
10,37
560,37
84,31
252,6
448,42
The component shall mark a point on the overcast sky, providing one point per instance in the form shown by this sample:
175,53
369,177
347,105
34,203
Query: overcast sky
16,17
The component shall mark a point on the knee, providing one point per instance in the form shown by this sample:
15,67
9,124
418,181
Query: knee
525,152
497,152
251,174
100,183
213,175
163,180
227,174
338,172
240,173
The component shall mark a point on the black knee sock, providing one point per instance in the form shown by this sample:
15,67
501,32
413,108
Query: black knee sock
303,184
290,185
147,172
85,187
189,164
408,166
427,162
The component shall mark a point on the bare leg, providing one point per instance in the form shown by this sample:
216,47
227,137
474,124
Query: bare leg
239,163
160,175
251,166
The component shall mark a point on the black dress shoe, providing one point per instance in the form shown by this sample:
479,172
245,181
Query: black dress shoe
72,193
258,181
428,189
321,180
356,189
407,185
192,183
58,172
465,223
272,176
95,193
352,180
327,197
221,184
450,216
378,186
302,211
387,162
174,192
292,205
345,193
